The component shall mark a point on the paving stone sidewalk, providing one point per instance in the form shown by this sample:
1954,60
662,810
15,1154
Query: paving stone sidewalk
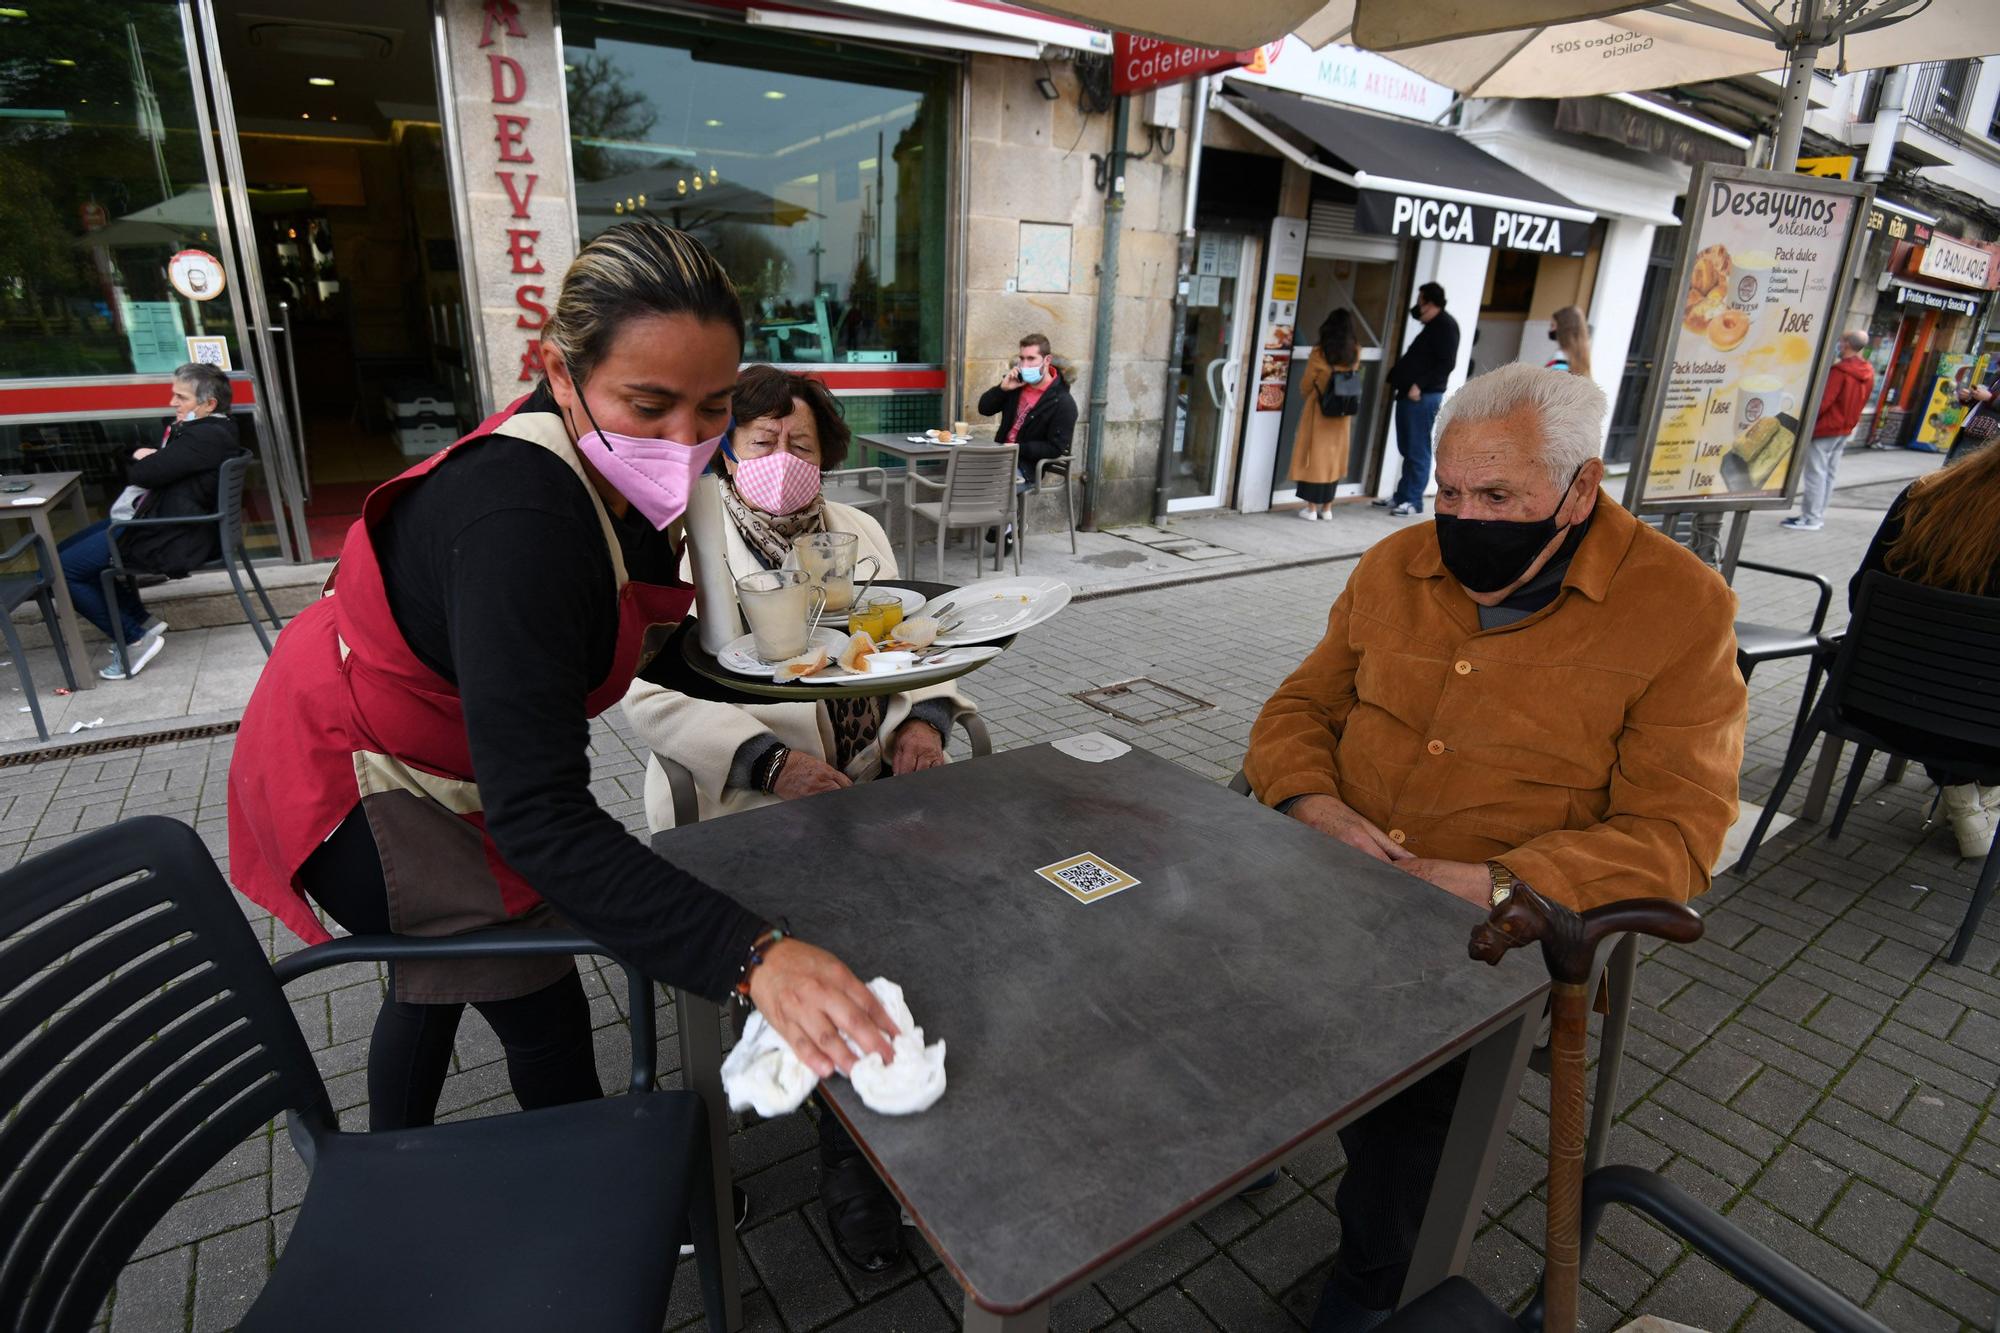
1810,1067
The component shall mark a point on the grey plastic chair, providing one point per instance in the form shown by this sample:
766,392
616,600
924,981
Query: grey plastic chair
38,587
687,809
228,522
1060,469
859,488
977,493
1619,973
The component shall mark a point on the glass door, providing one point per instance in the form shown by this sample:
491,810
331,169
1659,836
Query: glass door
1366,288
265,355
1221,323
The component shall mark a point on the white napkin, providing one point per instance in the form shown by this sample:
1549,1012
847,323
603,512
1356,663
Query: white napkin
764,1075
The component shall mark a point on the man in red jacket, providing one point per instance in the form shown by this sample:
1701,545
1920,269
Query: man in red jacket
1848,386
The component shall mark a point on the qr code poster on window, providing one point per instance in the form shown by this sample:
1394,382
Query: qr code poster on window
1087,878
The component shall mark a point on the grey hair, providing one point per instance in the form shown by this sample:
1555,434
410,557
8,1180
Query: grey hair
1854,340
205,382
1571,409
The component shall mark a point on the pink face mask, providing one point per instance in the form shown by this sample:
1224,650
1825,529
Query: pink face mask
657,476
778,483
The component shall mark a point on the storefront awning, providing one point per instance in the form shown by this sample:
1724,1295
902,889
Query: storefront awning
1413,180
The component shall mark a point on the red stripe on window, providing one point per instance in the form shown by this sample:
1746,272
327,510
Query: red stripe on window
879,379
81,396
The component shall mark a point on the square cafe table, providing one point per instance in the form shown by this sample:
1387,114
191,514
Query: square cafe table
45,491
1118,1066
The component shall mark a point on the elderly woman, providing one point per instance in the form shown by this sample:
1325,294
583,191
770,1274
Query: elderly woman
743,753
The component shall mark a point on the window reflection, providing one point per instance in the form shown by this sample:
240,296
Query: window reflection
102,182
815,170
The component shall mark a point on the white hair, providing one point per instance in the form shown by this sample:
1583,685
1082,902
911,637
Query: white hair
1571,409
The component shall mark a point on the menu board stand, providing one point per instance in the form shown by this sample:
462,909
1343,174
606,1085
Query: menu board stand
1749,336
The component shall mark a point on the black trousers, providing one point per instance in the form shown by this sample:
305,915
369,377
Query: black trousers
546,1034
1392,1161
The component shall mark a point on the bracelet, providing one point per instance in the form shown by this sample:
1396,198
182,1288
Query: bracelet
774,764
769,936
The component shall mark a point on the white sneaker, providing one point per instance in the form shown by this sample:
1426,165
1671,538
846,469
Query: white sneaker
1405,510
144,650
1800,525
1971,824
1310,515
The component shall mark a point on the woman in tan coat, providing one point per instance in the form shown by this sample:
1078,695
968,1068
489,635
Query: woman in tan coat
1319,453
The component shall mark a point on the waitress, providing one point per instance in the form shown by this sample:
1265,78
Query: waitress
416,755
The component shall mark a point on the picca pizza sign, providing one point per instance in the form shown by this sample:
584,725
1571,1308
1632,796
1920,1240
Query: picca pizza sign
1425,219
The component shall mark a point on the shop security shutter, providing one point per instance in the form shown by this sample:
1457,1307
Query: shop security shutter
1330,234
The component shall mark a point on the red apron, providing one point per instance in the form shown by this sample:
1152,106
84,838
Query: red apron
345,714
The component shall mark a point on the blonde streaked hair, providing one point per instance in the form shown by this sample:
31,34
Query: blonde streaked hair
636,269
1951,526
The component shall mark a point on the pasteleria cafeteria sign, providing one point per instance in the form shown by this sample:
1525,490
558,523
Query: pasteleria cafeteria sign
1764,258
1139,63
506,81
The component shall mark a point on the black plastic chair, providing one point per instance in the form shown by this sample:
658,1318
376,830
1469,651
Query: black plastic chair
39,587
143,1035
1756,644
228,523
1926,663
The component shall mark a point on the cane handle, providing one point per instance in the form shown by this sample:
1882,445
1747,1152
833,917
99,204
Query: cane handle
1569,939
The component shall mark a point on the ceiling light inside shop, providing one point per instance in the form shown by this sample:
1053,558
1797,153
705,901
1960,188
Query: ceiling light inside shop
13,13
305,115
713,175
712,123
71,64
774,95
320,81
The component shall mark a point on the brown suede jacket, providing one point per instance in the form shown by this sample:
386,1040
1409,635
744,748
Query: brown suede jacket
1591,748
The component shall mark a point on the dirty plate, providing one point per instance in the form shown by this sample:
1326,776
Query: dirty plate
996,608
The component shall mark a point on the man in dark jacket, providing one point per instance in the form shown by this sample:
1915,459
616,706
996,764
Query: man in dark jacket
1848,386
176,480
1034,404
1418,381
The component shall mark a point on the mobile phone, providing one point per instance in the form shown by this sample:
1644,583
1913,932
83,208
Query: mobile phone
16,487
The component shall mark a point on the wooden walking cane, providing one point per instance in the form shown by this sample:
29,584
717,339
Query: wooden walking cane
1569,943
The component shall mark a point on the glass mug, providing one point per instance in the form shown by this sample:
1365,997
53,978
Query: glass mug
828,557
781,606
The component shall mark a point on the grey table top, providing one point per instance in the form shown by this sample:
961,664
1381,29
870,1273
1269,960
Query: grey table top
44,488
1114,1065
912,451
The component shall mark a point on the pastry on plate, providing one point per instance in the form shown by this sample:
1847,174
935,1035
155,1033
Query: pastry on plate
1728,328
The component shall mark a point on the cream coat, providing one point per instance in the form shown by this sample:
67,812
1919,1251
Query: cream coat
704,735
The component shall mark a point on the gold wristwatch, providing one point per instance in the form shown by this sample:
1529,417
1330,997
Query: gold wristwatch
1503,883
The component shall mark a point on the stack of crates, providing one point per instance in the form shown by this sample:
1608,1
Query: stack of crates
423,416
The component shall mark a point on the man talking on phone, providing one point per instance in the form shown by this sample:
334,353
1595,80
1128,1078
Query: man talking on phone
1036,410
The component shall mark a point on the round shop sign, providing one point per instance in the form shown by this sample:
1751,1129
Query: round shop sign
196,274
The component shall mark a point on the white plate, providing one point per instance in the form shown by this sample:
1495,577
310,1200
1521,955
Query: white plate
995,608
951,664
925,439
740,655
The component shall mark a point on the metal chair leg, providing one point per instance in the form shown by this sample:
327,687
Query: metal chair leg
243,600
21,668
1619,975
47,602
680,782
942,533
1982,893
1848,791
110,582
1794,760
1069,509
258,584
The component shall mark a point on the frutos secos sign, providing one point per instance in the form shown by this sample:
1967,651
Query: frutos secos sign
1427,219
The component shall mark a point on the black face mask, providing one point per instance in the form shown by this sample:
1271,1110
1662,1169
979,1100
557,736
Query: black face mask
1487,554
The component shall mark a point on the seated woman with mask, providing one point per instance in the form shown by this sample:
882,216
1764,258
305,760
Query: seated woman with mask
743,753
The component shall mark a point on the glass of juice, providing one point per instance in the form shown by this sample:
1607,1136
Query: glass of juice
879,614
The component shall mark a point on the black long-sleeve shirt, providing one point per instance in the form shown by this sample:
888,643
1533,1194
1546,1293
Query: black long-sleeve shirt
500,581
1429,359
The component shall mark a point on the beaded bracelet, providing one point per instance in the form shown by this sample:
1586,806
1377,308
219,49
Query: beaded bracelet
765,939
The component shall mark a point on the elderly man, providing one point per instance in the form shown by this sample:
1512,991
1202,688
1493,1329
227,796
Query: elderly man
1534,687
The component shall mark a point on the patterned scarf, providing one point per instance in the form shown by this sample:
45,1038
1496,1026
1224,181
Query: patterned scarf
856,722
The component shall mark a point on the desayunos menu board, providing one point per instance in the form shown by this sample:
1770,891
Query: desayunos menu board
1753,323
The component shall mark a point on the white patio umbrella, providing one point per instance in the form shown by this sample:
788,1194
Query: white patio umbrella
1572,48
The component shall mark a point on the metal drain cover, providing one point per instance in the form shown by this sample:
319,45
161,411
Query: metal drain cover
1143,700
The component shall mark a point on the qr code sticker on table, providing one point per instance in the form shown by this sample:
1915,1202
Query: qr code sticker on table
1087,878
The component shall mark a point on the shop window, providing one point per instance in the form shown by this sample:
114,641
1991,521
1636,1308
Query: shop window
817,171
102,182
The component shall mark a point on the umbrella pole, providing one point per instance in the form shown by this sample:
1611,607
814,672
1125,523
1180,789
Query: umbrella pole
1792,111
